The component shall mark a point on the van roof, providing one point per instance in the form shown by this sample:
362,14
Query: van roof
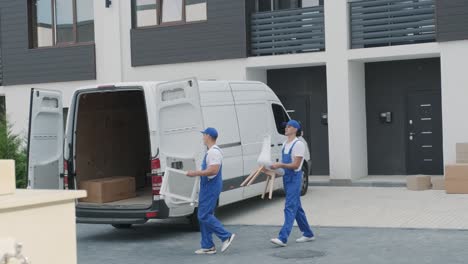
146,83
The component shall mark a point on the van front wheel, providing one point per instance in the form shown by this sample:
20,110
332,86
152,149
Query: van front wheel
305,181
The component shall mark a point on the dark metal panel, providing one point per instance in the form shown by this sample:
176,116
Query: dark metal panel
222,36
387,85
452,20
288,31
305,91
391,22
22,65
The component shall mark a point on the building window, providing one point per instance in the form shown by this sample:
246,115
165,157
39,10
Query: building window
2,109
65,114
281,118
195,10
60,22
273,5
147,13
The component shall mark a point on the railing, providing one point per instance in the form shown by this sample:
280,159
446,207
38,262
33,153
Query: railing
377,23
288,31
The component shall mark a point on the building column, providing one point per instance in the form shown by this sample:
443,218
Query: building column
454,96
346,99
256,74
108,45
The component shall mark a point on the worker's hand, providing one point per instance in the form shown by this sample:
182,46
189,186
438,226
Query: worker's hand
191,174
276,165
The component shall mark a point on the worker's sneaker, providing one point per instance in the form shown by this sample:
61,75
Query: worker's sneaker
278,242
206,251
304,239
227,243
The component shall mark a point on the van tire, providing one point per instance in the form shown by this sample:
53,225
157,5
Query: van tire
122,226
193,218
305,180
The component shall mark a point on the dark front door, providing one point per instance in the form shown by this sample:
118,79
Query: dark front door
304,109
424,133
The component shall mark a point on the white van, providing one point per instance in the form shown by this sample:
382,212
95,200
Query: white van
137,129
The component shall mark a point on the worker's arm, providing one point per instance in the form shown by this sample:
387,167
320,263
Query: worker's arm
292,166
210,171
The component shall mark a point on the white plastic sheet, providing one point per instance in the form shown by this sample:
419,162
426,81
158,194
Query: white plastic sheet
264,159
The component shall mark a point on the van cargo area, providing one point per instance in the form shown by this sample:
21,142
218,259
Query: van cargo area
112,141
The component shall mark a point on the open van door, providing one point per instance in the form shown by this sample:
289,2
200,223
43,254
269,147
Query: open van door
45,140
180,121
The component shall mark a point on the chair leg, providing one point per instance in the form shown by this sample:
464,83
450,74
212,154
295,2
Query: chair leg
272,186
254,177
266,187
250,176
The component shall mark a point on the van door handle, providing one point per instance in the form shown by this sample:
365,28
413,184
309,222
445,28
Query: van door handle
272,145
280,144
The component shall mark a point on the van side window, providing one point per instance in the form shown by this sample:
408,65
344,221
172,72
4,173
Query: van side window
281,118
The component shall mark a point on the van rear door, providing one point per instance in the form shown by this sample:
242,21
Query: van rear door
45,139
180,121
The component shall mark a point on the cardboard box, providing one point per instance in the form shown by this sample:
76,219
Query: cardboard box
7,177
438,183
462,152
456,179
110,189
418,182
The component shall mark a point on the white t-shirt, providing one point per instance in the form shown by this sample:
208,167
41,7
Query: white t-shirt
297,151
214,157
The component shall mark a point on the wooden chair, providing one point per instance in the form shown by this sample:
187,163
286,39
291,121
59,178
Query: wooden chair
270,182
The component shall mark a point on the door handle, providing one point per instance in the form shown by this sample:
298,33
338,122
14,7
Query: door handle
280,144
272,145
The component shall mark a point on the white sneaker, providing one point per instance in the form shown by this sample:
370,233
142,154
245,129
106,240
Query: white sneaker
304,239
206,251
227,243
278,242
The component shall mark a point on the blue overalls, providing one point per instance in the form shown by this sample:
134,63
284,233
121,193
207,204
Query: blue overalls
292,181
210,189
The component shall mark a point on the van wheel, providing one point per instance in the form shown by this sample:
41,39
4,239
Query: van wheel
122,226
305,181
193,218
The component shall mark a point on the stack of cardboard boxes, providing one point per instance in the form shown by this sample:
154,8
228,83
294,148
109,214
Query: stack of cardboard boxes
455,180
456,175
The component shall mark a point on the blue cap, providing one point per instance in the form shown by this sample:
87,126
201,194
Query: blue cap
212,132
294,124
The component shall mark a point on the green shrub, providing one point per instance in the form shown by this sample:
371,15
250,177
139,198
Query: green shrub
12,147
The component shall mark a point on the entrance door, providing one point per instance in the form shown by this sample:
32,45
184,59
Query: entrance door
424,133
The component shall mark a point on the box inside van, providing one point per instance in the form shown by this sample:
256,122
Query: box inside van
112,140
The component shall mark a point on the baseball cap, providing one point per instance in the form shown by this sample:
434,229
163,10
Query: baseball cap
212,132
294,124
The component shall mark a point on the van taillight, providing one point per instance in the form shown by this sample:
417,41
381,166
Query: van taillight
156,176
156,182
65,174
155,166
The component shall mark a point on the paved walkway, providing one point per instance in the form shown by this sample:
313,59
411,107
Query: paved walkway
160,243
360,207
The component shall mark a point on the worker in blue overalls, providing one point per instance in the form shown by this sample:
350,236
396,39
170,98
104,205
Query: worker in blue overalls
292,160
211,185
